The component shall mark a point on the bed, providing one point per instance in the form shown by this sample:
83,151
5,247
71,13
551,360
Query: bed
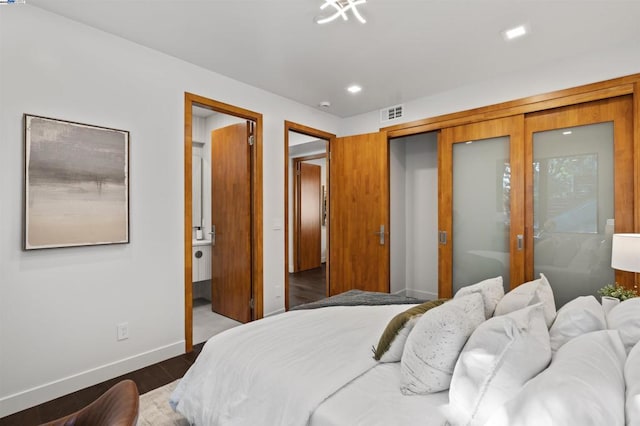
316,366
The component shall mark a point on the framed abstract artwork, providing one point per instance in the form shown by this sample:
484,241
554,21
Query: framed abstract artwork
76,184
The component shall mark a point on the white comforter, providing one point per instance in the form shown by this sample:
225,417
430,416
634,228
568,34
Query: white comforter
278,370
374,399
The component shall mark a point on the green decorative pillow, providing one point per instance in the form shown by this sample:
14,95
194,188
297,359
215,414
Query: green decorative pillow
391,343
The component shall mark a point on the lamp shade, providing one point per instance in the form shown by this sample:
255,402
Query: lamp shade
625,252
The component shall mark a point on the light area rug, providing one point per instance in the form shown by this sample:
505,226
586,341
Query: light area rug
155,409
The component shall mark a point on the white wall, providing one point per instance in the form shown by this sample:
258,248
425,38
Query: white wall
422,214
198,151
397,215
59,307
198,129
570,72
414,215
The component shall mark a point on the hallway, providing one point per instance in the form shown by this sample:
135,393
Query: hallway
307,286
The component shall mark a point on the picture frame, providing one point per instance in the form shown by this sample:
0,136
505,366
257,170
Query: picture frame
76,184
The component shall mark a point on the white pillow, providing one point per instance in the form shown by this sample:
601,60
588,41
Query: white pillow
608,303
632,379
528,294
499,357
584,385
434,344
626,319
491,290
579,316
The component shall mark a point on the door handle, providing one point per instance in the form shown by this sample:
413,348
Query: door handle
442,237
213,235
380,234
520,241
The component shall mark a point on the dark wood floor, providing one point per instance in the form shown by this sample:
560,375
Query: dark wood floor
146,379
307,286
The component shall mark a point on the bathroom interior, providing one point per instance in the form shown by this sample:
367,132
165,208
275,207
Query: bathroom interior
206,323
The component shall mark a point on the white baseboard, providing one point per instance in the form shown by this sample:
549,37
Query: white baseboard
270,314
37,395
421,294
402,292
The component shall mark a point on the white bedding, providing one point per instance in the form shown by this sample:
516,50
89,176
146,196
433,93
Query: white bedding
280,369
374,399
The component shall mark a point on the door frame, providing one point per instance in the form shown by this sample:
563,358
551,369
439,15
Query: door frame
320,134
297,207
257,278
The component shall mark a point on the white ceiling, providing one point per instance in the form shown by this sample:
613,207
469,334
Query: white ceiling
408,49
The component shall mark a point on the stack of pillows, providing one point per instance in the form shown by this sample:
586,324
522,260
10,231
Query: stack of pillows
511,359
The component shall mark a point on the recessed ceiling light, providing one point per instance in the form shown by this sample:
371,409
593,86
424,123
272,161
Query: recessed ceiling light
325,104
567,132
515,32
354,88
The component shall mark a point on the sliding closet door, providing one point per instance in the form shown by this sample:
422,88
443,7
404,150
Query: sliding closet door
359,213
579,191
481,200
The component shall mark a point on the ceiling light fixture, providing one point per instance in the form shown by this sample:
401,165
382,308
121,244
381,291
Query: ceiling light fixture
341,8
516,32
567,132
354,88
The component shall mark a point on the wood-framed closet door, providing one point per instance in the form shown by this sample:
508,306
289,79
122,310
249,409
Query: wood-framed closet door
579,191
480,204
359,213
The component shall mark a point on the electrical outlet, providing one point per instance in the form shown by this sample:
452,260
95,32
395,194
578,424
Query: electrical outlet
122,331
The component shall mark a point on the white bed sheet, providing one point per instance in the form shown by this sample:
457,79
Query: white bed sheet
374,399
280,369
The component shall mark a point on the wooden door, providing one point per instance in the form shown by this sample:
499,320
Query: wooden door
359,213
487,233
309,209
231,217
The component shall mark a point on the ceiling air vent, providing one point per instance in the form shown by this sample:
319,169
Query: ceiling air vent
391,113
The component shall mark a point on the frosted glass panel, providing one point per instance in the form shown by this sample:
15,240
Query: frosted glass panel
573,208
481,211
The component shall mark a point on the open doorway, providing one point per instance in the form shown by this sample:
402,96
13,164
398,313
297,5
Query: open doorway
413,208
223,217
306,212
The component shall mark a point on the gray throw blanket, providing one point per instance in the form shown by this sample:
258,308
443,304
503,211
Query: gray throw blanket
359,297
